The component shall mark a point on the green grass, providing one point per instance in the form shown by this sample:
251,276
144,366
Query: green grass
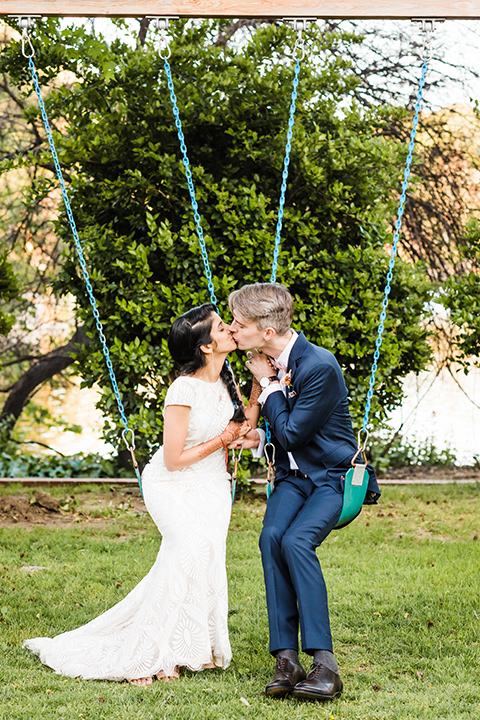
404,596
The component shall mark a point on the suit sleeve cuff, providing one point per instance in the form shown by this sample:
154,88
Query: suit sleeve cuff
273,387
258,451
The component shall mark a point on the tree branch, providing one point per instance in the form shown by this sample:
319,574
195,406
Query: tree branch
49,365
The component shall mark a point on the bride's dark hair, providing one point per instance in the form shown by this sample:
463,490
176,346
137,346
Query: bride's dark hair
187,335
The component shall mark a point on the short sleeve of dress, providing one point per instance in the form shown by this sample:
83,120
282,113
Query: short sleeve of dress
180,392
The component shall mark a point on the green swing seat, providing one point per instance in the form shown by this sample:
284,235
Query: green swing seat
354,492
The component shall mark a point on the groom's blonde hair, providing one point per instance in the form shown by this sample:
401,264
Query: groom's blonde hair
265,304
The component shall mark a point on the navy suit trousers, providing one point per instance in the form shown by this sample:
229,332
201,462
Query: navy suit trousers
299,517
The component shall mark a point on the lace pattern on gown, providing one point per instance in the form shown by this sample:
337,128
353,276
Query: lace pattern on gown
176,615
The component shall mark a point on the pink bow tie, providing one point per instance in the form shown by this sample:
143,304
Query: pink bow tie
278,366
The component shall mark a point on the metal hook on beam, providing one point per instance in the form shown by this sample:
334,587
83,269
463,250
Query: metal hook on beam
25,23
299,25
428,27
163,43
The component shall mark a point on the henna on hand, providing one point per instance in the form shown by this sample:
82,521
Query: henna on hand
232,432
255,392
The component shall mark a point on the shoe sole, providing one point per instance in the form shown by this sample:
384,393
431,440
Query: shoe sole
278,692
309,695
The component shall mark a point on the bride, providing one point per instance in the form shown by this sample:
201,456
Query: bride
177,615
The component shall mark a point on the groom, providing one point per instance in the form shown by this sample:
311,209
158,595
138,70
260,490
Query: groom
303,396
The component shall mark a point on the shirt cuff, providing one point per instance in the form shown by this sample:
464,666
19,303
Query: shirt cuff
258,451
273,387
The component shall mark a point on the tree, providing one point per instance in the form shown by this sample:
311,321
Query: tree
8,290
461,297
31,352
119,148
443,193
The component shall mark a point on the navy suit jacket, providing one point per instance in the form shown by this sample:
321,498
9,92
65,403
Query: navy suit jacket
313,420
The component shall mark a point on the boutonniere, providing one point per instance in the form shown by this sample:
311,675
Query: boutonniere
286,379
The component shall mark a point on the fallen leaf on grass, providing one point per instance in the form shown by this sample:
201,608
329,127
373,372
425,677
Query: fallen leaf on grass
245,702
33,568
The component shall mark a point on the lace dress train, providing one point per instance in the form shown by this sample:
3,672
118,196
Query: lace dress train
176,615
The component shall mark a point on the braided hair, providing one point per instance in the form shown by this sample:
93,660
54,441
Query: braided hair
187,335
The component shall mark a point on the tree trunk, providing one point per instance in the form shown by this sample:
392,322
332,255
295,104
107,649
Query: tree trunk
49,365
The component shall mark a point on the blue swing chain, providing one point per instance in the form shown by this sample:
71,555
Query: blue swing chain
199,230
191,188
286,163
299,44
396,237
81,257
164,52
398,224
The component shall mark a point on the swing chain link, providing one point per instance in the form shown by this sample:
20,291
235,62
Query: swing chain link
191,187
83,265
286,162
299,25
396,237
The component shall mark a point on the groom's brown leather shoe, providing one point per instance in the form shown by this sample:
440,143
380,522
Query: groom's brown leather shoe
287,675
321,683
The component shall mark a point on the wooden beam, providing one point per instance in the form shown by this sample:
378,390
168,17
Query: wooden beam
338,9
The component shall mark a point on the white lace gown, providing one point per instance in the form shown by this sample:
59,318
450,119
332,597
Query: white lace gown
176,615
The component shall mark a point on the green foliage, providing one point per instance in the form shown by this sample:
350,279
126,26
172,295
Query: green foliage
461,296
8,290
403,452
14,463
127,186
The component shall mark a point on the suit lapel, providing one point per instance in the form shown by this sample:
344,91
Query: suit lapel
297,351
295,356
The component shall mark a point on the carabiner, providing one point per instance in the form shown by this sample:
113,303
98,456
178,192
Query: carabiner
163,42
25,23
124,436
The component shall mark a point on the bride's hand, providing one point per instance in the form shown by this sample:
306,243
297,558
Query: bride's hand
249,441
234,431
259,364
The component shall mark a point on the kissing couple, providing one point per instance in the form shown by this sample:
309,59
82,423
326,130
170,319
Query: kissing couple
176,617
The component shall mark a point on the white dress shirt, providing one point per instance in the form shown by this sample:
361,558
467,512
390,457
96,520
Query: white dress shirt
281,364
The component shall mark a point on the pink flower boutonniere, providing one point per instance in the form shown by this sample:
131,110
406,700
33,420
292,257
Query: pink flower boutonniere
286,379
